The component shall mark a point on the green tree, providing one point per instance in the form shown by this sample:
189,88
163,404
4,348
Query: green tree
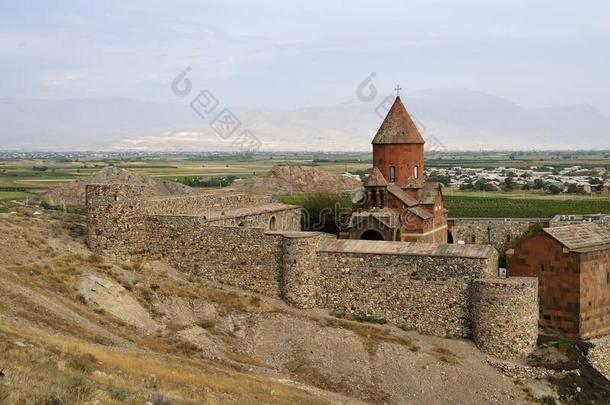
509,184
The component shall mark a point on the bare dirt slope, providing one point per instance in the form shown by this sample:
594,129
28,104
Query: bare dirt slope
72,194
298,179
78,328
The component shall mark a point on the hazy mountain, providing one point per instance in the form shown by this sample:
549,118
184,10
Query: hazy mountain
456,118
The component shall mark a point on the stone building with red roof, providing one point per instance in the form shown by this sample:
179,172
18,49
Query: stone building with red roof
397,203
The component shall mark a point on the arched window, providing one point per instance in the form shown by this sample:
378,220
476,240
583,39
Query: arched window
416,172
473,238
392,174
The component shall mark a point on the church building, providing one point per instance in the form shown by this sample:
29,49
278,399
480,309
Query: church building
397,203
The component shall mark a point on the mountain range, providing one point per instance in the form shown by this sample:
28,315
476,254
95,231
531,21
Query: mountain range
450,119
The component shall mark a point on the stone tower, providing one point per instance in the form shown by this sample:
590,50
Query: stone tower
398,149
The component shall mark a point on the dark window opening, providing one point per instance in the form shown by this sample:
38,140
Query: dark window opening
116,197
547,317
542,267
392,174
371,235
272,223
473,238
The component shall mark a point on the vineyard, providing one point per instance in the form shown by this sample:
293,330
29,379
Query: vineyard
492,207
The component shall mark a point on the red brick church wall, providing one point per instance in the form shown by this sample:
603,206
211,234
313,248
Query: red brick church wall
558,275
595,293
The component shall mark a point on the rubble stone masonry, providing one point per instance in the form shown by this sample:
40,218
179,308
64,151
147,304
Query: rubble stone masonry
505,316
425,287
494,231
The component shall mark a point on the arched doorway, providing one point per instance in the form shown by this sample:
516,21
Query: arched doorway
371,235
449,237
272,223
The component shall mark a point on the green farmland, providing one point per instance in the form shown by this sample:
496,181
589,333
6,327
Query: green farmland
460,206
21,178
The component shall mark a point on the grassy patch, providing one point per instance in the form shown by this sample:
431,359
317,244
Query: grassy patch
497,207
228,299
118,393
83,363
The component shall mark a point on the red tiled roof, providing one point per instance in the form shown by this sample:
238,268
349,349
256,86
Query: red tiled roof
420,212
402,195
398,127
375,179
580,236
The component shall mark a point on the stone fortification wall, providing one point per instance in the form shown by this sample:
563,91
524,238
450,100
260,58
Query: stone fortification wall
270,216
491,231
247,258
429,288
114,218
203,204
300,271
421,290
505,316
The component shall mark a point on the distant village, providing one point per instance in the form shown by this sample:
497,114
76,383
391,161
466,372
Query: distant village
573,180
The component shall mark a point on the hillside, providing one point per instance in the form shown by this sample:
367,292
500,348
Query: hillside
72,194
298,179
77,327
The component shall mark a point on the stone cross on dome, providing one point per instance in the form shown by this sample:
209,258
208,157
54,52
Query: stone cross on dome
397,88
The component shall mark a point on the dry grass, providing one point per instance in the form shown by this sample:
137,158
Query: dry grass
373,335
181,378
245,358
227,299
444,355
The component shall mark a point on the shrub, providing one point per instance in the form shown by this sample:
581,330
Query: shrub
147,294
208,324
321,212
118,393
548,400
95,259
83,363
80,388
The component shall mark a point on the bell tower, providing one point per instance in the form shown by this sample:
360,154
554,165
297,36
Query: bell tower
398,149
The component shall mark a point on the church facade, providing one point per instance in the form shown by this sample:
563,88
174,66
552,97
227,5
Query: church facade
397,204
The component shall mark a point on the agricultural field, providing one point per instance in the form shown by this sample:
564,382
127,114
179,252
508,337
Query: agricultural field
498,206
7,196
23,177
29,175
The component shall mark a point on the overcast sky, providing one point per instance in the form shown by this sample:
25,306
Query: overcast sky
290,54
